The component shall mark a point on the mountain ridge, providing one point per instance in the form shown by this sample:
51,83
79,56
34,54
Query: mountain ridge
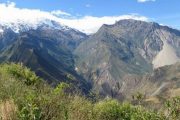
103,62
47,51
126,48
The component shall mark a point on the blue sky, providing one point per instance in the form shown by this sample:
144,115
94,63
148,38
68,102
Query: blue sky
159,8
162,11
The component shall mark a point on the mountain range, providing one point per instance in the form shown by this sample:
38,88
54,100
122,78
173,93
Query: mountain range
46,49
117,61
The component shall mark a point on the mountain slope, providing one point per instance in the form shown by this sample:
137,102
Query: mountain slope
46,50
126,48
163,82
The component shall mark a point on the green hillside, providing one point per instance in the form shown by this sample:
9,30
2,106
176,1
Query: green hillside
25,96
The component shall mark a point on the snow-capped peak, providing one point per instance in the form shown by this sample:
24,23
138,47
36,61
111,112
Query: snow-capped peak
21,25
53,24
24,19
1,30
10,15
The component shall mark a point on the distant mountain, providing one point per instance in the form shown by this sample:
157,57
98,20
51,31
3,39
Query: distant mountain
129,47
117,61
61,33
46,49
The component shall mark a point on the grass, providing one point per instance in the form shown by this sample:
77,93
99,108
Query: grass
36,100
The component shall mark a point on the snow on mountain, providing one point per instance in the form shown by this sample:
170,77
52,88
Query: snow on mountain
1,31
12,16
21,25
24,19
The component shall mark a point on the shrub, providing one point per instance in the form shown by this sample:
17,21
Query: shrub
173,108
80,109
20,72
113,110
107,110
29,110
140,113
61,88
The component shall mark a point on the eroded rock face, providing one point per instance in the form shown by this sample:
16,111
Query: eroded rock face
167,56
126,48
169,53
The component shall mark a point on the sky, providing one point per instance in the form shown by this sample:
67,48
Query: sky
89,15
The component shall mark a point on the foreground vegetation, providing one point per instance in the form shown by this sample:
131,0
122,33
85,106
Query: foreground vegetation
24,96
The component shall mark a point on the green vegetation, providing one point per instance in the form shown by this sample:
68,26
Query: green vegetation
24,96
20,72
173,108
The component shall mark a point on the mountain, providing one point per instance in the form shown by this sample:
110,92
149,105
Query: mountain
154,88
129,47
117,61
163,82
54,30
46,49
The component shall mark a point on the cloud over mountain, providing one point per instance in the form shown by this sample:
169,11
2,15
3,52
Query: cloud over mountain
142,1
59,13
10,14
90,24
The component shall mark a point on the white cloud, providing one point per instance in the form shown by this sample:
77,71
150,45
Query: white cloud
142,1
9,13
90,24
88,5
11,4
59,13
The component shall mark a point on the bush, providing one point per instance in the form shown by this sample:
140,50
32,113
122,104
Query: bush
173,108
139,113
113,110
61,88
107,110
20,72
29,109
80,109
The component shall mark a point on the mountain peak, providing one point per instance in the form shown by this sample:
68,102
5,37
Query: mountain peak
23,25
128,47
130,22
